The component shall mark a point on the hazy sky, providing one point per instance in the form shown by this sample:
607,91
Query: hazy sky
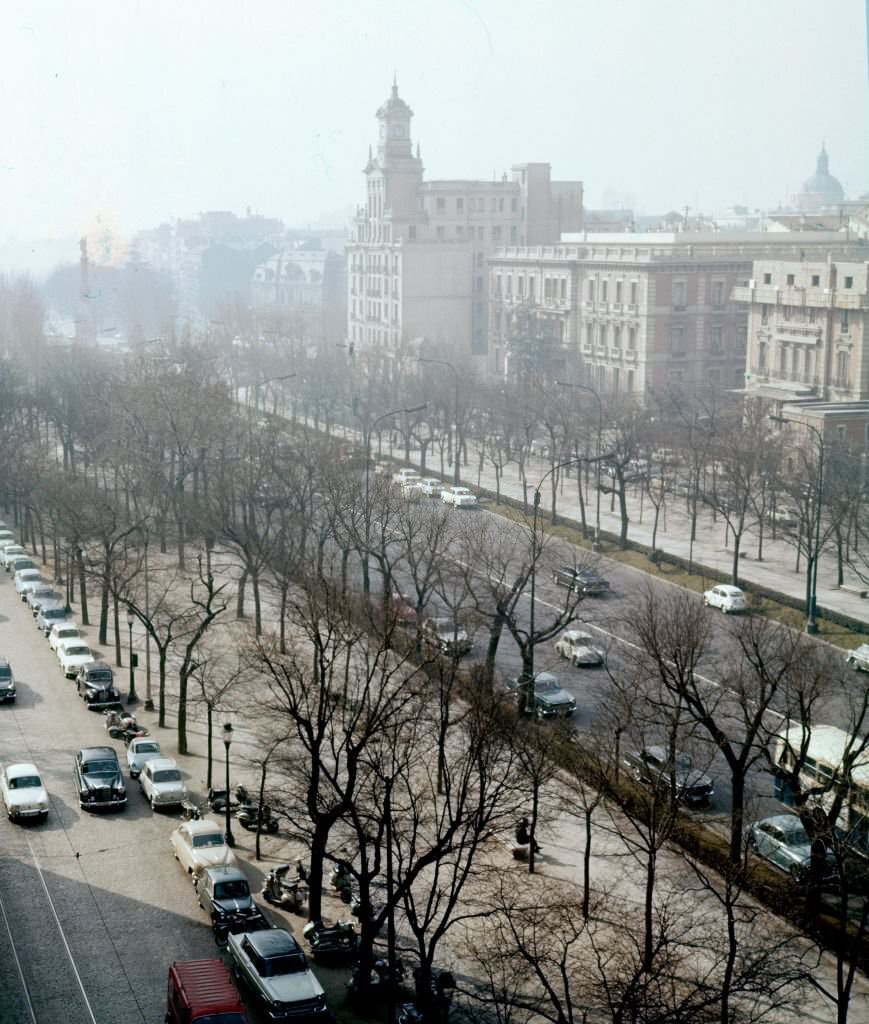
139,112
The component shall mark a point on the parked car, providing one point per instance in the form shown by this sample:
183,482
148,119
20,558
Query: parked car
403,611
141,750
7,537
35,597
402,476
19,563
23,793
448,636
10,553
95,685
582,581
224,894
62,633
27,579
726,597
72,657
430,486
671,771
99,780
458,497
783,841
162,784
7,683
50,613
200,844
551,700
578,647
411,489
202,991
859,658
275,969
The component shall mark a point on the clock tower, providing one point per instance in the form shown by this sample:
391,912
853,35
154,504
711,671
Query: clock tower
394,117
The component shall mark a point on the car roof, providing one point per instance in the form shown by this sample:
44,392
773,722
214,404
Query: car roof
15,771
727,588
783,821
4,662
225,873
202,826
273,942
546,677
97,753
161,764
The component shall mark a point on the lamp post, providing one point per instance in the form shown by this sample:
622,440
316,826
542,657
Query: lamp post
591,391
227,740
149,702
812,560
528,682
132,698
456,452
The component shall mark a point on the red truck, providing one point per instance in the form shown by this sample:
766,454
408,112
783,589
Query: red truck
202,991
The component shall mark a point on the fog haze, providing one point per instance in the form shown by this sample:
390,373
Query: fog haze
136,113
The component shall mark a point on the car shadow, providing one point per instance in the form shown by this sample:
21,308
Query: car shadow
25,696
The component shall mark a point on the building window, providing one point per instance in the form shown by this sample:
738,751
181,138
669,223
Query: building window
411,233
618,291
761,357
617,336
630,382
509,287
604,290
715,377
562,289
497,286
460,231
816,280
547,288
844,320
591,291
764,314
633,293
520,286
767,278
783,360
500,205
840,432
680,290
677,340
496,234
841,370
441,204
718,294
513,234
632,339
460,206
440,233
514,205
531,283
478,259
478,284
715,338
479,234
849,282
790,279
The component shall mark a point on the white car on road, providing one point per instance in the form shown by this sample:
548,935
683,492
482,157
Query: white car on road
73,656
161,783
458,497
63,633
27,579
141,750
405,476
430,486
578,647
200,844
23,793
725,597
11,552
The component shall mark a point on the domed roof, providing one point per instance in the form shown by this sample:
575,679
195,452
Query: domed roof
821,189
394,105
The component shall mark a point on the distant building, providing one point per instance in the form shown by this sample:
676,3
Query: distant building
417,258
821,190
631,312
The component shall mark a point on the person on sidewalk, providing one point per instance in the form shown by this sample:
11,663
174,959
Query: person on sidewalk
523,834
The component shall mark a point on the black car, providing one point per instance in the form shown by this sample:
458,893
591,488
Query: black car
671,771
96,687
583,581
7,682
99,780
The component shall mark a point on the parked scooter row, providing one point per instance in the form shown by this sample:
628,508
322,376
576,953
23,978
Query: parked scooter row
248,814
122,725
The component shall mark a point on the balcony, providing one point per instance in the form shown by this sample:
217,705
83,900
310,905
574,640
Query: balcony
788,330
630,355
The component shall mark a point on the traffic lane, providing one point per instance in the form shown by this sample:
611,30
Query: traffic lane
120,892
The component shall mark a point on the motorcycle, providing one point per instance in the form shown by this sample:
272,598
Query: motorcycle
281,893
217,799
121,725
232,922
341,881
190,810
251,817
331,941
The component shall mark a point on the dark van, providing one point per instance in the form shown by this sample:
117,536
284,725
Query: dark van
202,992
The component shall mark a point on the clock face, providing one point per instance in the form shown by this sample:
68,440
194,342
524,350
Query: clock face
398,131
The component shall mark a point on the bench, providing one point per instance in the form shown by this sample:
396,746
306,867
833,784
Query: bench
851,588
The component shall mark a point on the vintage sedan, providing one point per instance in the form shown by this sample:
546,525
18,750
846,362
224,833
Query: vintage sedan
141,750
50,613
459,497
63,633
449,636
23,793
73,657
671,771
200,844
37,596
550,699
95,685
10,553
7,683
20,562
99,780
578,647
162,784
275,969
783,841
27,580
727,598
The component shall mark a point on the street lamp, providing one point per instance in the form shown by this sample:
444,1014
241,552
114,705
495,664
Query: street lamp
591,391
149,702
815,546
227,740
132,698
455,372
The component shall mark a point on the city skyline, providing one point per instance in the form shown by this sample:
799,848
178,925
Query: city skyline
134,116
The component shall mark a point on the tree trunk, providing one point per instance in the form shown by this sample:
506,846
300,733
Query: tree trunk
82,587
239,601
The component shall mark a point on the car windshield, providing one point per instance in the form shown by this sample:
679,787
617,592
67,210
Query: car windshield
235,890
25,782
67,634
208,839
54,613
76,652
5,672
168,775
100,675
147,748
545,685
796,836
288,964
99,768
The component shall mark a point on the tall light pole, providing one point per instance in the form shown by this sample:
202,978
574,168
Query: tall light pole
227,740
132,697
591,391
812,560
456,451
149,702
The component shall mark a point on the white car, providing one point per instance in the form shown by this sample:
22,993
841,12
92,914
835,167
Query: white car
200,844
62,633
7,537
27,579
725,597
52,613
141,750
161,783
859,658
430,486
11,551
458,497
578,647
23,794
73,656
404,476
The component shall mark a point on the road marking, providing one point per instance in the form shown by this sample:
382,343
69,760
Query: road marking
24,987
62,934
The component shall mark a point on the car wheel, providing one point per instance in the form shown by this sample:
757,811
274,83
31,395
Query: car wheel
153,804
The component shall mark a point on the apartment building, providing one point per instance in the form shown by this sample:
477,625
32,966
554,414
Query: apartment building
417,261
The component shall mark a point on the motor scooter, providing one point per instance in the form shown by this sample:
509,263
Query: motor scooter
334,941
251,817
380,978
278,891
341,881
121,725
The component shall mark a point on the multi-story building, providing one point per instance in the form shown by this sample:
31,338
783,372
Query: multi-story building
631,312
808,338
417,260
